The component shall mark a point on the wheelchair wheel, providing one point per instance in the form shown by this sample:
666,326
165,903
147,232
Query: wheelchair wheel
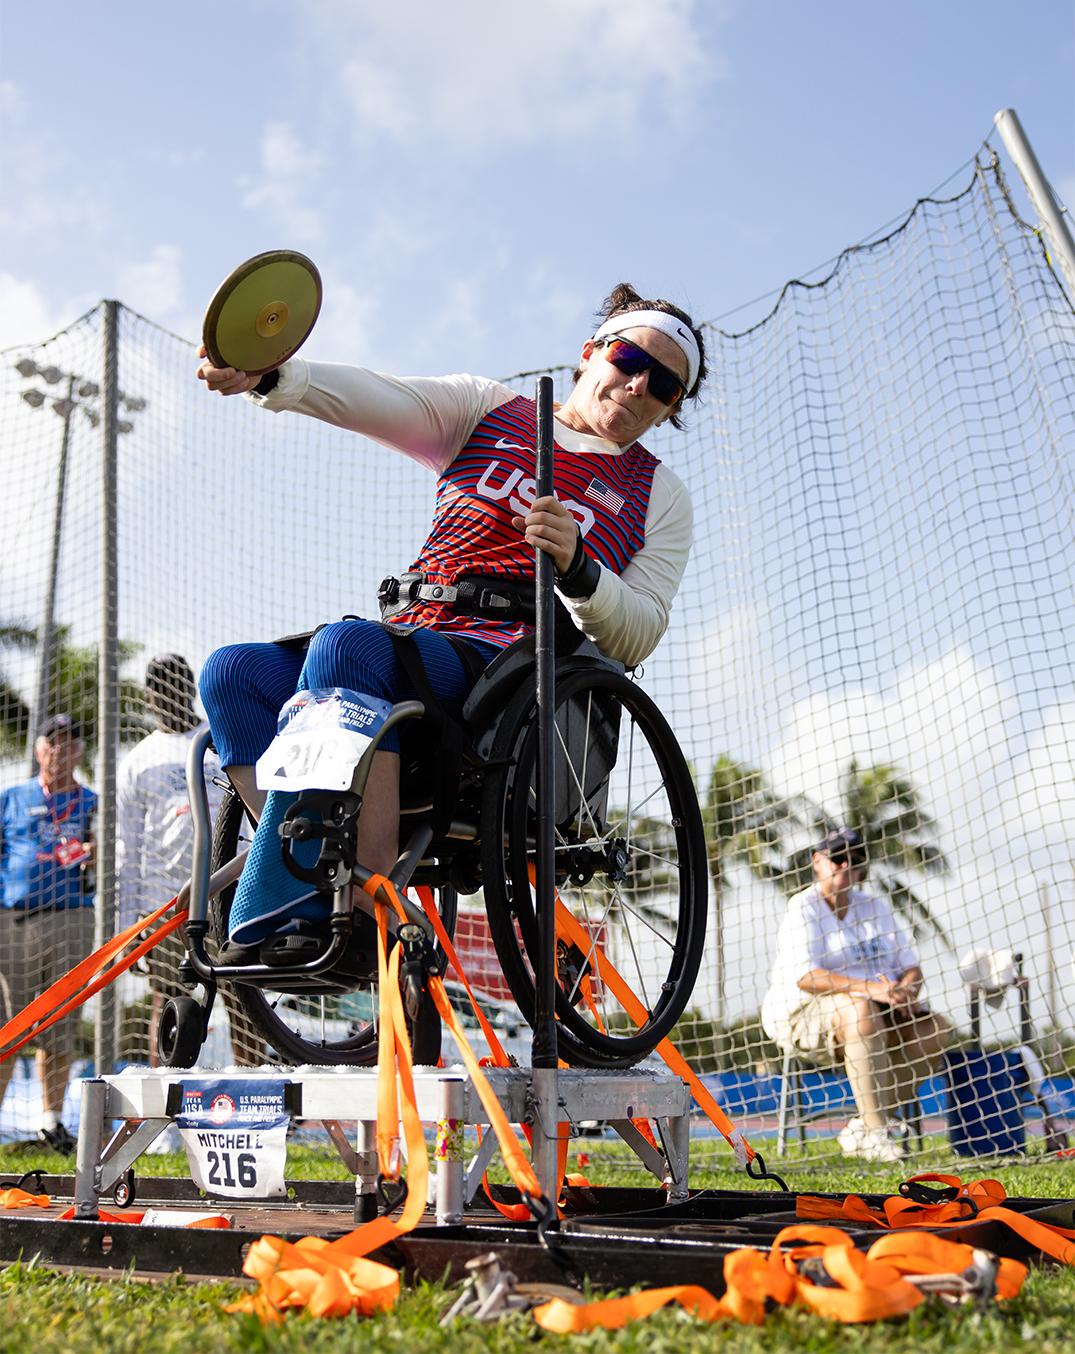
336,1024
630,863
179,1033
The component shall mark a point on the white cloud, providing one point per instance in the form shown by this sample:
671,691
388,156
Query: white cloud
25,314
727,680
944,724
486,75
155,286
285,186
460,323
32,208
346,326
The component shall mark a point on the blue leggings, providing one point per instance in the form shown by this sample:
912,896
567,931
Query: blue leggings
243,687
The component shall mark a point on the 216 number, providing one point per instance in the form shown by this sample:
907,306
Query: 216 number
245,1174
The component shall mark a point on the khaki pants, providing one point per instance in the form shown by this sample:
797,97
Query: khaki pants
885,1055
36,948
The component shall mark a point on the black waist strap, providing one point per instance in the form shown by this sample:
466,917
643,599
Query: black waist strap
496,597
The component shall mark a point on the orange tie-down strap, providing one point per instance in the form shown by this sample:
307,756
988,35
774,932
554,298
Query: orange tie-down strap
987,1196
571,929
513,1212
216,1221
87,977
335,1278
814,1267
21,1198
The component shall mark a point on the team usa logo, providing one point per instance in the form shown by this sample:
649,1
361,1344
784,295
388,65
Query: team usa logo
498,483
222,1109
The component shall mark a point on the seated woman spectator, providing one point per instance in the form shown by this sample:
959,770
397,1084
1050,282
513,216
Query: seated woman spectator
845,988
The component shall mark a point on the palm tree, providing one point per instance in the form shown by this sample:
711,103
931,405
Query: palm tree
744,822
884,805
14,711
73,691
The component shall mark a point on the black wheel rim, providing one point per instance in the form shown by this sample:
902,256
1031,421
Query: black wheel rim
651,922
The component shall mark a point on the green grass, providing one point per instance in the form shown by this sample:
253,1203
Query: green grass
49,1312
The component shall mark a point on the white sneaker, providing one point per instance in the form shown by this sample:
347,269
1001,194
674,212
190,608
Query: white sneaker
900,1133
869,1144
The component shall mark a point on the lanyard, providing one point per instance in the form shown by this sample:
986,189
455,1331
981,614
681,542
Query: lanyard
50,804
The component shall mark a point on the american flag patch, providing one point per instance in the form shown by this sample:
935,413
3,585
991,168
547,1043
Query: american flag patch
608,498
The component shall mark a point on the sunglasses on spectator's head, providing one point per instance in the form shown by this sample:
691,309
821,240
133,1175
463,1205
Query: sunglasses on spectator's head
664,384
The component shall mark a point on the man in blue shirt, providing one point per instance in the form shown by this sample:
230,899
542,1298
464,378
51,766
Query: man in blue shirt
46,912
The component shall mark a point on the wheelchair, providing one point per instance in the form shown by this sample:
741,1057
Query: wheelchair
630,865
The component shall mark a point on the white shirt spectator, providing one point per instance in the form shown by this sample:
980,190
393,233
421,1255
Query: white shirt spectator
867,942
155,834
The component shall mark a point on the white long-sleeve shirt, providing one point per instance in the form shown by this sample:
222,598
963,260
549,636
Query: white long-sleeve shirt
430,419
154,832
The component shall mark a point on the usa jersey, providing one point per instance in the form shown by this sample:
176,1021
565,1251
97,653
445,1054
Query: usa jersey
491,481
40,846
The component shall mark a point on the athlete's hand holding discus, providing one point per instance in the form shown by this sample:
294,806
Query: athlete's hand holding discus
224,380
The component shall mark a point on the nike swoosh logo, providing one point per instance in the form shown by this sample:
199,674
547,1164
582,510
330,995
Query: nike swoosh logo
502,445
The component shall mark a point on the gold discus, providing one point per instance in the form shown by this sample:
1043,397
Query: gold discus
263,312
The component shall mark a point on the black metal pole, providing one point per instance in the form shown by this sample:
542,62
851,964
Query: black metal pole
46,641
104,1035
544,1048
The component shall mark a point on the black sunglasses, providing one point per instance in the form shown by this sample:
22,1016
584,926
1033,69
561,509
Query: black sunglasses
664,384
856,859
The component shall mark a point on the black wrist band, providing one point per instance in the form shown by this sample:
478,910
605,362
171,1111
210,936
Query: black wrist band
581,576
268,382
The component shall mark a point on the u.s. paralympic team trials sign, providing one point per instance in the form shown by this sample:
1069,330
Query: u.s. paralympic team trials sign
235,1135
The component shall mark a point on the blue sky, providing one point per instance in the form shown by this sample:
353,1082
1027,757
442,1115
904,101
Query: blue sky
471,177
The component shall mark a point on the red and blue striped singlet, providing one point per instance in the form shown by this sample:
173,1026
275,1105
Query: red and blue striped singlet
492,480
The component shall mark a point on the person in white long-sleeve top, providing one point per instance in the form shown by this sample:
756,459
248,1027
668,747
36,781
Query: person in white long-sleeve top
155,833
618,531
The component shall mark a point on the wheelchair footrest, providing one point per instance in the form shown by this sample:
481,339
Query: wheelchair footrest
308,941
293,948
233,953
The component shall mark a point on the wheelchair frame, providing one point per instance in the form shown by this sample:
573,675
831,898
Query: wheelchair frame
496,694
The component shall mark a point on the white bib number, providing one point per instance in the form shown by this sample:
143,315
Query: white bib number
246,1163
320,738
235,1134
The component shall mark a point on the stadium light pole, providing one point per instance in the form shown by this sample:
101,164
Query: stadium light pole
81,394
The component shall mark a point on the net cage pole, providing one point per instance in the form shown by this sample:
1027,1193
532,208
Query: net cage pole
104,1034
1052,217
47,641
544,1046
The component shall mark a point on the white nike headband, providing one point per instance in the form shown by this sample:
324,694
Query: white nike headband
676,330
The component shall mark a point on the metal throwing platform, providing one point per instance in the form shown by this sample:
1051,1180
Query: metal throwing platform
145,1101
611,1237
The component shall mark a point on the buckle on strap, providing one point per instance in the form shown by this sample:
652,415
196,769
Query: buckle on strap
475,596
396,594
475,593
